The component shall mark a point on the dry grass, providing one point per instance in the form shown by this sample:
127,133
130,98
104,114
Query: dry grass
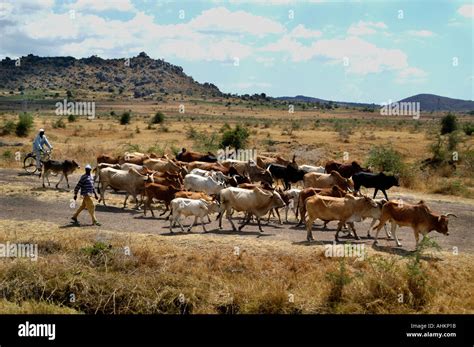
196,274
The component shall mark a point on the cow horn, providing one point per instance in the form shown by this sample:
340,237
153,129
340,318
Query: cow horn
451,214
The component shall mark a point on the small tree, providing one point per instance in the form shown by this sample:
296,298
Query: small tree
69,94
24,125
158,118
449,124
71,118
125,118
236,138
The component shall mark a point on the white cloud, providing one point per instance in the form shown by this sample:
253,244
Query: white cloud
466,11
411,75
301,32
220,19
252,84
103,5
421,33
365,28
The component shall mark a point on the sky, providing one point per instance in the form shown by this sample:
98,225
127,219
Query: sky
359,51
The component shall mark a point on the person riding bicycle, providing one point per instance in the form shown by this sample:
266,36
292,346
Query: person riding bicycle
38,143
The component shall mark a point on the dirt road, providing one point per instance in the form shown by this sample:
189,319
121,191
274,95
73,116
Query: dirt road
32,202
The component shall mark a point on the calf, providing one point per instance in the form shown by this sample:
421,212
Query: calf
190,207
198,183
65,167
334,191
289,174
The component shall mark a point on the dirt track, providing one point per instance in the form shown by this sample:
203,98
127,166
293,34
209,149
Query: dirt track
24,206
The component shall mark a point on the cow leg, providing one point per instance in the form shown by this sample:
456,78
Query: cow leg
209,218
309,227
259,226
375,193
371,226
388,233
385,194
246,221
192,224
278,214
171,224
229,218
166,209
417,237
125,201
287,208
351,225
60,180
179,222
102,192
202,223
339,227
394,228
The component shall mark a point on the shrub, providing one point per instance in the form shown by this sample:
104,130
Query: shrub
468,128
236,138
8,128
58,124
71,118
125,118
385,158
158,118
24,125
448,124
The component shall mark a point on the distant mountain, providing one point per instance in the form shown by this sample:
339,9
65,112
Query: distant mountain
431,102
139,76
302,98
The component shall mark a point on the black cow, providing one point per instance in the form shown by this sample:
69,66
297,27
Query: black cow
378,181
288,174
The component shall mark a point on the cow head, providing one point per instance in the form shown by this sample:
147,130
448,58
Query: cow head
441,224
277,200
393,181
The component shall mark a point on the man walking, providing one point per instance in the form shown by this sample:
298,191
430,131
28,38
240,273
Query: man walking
86,185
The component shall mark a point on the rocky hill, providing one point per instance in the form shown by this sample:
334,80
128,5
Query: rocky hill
140,76
431,102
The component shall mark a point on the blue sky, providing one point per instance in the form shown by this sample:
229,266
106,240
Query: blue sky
361,51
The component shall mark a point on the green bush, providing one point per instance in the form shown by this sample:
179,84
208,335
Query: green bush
125,118
385,158
236,138
158,118
71,118
8,128
449,124
24,125
468,128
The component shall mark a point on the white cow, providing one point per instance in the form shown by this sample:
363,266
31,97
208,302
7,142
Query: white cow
131,181
191,207
126,166
256,202
311,168
217,175
197,183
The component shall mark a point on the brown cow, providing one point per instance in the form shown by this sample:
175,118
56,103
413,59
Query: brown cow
189,156
263,161
419,217
208,167
159,192
346,170
334,191
108,159
319,180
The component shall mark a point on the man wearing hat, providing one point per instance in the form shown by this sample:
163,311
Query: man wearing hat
38,143
86,185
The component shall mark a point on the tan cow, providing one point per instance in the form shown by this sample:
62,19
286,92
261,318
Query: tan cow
162,165
255,202
419,217
320,180
348,209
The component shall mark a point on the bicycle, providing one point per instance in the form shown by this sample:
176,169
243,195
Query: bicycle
29,163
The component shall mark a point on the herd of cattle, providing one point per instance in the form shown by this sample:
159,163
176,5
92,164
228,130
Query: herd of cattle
196,184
